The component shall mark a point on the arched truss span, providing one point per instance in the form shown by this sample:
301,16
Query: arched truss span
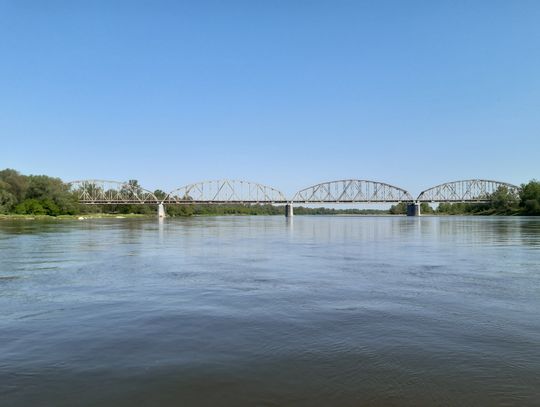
225,191
351,191
471,190
111,192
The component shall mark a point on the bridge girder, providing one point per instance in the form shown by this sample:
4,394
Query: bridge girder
106,192
352,191
471,190
225,191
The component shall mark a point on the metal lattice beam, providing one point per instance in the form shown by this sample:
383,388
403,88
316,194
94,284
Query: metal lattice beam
111,192
351,191
225,191
472,190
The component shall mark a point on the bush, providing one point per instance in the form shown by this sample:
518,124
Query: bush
30,207
50,207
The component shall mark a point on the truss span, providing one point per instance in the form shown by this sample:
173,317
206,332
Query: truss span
472,190
111,192
351,191
225,191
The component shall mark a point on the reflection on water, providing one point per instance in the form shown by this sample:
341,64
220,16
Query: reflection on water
373,311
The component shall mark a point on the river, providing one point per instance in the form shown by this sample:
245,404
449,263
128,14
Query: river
245,311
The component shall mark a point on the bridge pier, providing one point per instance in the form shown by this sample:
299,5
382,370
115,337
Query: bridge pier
413,209
289,210
161,211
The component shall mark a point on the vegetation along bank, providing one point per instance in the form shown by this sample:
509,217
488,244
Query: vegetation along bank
42,195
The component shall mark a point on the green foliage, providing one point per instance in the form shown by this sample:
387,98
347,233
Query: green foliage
462,208
426,208
7,199
503,200
35,195
160,194
399,209
532,207
530,197
50,207
12,189
333,211
179,210
220,210
14,183
131,190
38,207
53,194
30,207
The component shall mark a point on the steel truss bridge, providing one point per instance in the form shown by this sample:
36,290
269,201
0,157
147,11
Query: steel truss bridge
225,191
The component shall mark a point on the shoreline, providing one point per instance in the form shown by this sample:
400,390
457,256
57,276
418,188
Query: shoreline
74,217
11,217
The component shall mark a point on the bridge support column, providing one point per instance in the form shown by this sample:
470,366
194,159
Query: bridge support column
413,209
289,210
161,211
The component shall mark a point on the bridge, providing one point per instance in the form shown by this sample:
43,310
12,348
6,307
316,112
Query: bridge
226,191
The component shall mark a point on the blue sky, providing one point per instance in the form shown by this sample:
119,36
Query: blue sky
287,93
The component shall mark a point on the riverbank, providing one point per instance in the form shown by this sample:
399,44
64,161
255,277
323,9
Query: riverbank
74,217
11,217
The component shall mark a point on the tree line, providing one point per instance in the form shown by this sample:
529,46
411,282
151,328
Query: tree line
44,195
501,202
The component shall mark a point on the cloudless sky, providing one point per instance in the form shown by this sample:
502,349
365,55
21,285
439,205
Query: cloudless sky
286,93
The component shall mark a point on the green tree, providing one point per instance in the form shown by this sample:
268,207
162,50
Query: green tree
43,187
179,210
15,183
30,207
7,199
530,197
12,189
503,199
50,207
160,194
132,190
399,209
426,208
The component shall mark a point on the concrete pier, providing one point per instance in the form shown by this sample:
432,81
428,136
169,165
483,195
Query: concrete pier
413,209
289,211
161,211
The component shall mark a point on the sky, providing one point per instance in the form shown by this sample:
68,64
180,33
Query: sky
285,93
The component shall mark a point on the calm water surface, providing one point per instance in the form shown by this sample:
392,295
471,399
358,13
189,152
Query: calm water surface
242,311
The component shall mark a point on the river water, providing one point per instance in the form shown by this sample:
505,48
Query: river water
245,311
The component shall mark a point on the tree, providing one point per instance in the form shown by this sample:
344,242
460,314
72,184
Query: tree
7,199
530,197
50,207
399,209
53,190
30,207
503,199
426,208
15,183
161,195
132,190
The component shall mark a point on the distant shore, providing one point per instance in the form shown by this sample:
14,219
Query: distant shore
10,217
74,217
